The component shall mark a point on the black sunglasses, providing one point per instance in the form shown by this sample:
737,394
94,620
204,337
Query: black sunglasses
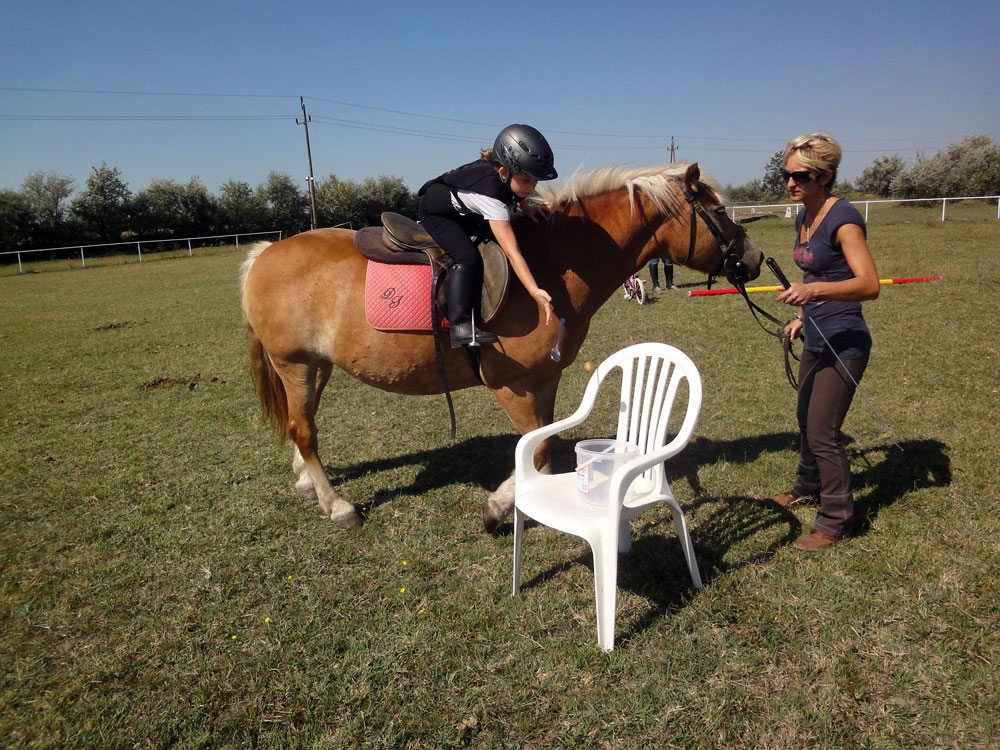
801,178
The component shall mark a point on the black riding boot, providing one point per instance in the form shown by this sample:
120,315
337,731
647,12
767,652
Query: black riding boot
668,275
464,286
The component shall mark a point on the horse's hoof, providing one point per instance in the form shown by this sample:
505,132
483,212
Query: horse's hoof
490,521
348,520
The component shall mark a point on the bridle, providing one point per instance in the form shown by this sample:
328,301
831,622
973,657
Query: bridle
730,237
728,234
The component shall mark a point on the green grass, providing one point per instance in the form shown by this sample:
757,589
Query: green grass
163,585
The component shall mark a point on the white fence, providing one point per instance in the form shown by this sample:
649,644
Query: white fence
138,245
792,209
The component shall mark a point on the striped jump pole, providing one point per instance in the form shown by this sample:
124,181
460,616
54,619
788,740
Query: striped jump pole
883,282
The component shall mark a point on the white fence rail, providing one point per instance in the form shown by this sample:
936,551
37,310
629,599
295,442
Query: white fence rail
792,209
138,245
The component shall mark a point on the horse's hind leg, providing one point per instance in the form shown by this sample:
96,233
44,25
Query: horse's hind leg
303,386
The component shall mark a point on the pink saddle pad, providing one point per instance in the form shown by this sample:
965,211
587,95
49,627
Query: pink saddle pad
398,297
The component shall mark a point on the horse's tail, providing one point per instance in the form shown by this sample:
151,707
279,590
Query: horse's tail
270,389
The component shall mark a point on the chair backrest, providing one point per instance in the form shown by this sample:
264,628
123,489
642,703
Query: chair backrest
651,376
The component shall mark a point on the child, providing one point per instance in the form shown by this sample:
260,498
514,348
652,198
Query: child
466,201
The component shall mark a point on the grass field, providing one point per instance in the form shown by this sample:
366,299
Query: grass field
162,585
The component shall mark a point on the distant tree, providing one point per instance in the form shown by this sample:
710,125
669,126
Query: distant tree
157,209
383,193
336,202
876,179
362,204
970,167
286,204
201,210
240,209
47,193
773,184
166,208
17,223
102,209
748,192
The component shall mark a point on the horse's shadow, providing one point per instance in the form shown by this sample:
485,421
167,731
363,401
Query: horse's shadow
655,569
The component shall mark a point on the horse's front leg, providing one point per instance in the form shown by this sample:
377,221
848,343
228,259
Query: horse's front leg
529,408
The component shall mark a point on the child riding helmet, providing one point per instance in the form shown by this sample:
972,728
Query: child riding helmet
521,148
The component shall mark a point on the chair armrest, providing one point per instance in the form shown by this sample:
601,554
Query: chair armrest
524,453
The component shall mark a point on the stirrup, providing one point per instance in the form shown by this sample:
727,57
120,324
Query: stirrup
474,337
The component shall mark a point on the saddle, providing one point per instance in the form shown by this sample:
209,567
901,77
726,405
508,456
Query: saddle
407,271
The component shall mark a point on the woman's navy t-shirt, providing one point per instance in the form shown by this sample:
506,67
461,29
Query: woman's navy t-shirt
823,260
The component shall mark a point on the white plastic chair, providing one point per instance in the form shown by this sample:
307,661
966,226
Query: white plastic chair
651,375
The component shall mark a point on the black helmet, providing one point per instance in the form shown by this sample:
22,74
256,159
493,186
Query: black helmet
521,148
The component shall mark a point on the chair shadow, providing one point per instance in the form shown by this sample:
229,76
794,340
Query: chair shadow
655,569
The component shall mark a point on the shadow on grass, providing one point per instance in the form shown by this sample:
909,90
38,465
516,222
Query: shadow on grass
655,569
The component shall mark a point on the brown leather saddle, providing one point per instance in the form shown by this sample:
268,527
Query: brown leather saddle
403,241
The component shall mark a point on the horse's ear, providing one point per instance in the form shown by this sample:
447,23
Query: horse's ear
691,177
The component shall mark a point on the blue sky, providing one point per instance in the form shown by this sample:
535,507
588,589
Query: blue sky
211,89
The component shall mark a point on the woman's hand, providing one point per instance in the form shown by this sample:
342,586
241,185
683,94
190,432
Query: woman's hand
797,294
794,329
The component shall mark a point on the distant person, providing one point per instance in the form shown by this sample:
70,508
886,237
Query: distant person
838,273
480,197
668,273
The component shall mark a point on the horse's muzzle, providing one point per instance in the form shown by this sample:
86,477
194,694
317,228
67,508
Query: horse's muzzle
744,267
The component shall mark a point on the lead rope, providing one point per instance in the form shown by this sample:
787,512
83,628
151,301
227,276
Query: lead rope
888,430
786,341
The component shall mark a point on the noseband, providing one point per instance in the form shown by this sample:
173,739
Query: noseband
728,234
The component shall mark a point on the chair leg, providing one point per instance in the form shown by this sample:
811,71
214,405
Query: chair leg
518,534
605,591
685,539
624,537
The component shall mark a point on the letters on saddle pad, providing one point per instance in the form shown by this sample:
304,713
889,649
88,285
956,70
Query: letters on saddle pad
398,297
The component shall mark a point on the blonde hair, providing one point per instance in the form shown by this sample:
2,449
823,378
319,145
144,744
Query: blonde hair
817,151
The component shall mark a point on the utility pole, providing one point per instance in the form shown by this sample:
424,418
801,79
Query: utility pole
673,150
309,179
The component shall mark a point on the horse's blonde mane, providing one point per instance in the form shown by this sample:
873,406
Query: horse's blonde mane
656,182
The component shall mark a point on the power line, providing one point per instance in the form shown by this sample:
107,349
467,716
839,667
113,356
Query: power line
693,143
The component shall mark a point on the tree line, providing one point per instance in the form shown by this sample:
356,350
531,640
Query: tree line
48,211
970,167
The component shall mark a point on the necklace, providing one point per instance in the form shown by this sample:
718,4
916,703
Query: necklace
819,217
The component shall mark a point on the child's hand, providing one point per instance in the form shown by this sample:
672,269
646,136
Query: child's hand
538,211
542,298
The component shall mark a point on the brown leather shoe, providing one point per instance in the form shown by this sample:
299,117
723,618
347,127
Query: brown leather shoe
784,500
817,540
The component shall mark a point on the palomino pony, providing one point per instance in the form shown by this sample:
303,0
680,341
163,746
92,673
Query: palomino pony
303,303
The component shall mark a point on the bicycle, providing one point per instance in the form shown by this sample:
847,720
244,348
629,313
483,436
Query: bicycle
635,289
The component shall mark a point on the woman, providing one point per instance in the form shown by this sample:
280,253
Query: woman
831,248
478,196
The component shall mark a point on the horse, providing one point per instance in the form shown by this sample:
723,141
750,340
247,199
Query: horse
304,312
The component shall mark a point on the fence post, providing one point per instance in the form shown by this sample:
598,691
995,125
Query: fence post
944,202
138,246
83,261
189,247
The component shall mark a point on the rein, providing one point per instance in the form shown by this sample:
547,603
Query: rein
729,235
779,333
